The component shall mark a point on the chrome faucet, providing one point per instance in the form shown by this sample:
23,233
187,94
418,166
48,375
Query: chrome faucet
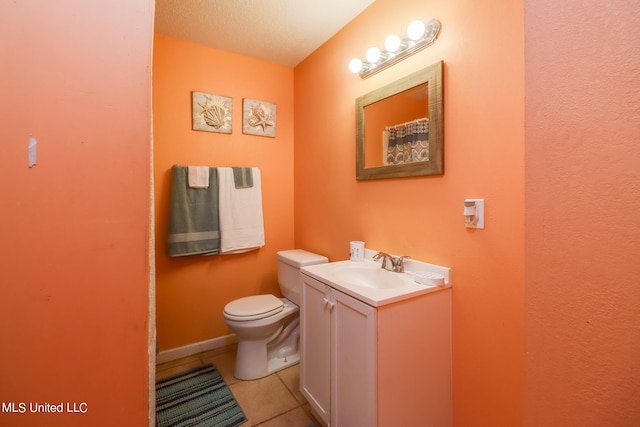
397,263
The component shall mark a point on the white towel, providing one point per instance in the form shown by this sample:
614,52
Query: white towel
241,222
198,177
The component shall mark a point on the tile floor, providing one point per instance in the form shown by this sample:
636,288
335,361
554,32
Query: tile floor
273,401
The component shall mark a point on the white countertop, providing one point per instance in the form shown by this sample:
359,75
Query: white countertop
403,287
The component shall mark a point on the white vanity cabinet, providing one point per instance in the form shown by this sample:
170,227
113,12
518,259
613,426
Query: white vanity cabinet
384,366
338,377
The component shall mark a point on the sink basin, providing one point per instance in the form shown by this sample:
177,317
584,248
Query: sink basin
369,276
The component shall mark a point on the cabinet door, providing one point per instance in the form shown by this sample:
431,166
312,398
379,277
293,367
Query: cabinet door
354,388
315,338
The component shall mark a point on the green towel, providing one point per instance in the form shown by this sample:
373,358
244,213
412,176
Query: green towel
193,219
242,177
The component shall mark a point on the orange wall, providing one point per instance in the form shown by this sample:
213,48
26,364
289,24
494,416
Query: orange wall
582,197
483,50
192,291
74,268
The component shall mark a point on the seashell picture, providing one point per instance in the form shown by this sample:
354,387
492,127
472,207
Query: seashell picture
211,113
258,118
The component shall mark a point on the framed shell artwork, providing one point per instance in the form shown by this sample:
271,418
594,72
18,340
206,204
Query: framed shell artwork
211,113
258,118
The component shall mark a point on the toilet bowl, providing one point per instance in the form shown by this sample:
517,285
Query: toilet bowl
268,327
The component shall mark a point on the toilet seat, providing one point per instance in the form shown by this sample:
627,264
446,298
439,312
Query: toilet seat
253,307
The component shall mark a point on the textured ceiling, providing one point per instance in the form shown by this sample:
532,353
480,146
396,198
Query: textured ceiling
280,31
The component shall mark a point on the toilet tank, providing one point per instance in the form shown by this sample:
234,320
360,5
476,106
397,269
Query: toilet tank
289,263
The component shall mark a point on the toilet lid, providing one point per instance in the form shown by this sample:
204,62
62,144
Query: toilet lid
253,308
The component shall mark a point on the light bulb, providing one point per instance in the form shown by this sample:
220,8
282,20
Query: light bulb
373,54
392,43
415,30
355,66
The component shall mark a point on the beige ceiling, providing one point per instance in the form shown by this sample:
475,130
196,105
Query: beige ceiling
280,31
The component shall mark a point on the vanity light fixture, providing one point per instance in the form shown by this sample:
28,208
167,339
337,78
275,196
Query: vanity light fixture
419,35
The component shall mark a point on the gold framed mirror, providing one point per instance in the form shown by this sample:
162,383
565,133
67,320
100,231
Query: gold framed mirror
399,127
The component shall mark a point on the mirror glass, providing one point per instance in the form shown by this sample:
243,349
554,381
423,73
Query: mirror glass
399,128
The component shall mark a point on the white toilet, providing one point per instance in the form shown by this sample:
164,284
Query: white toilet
268,327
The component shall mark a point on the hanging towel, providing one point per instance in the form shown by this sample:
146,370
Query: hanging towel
193,219
241,222
242,177
198,176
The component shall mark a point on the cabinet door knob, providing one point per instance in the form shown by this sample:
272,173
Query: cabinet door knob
328,303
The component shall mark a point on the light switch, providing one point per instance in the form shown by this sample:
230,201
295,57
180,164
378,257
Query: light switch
32,152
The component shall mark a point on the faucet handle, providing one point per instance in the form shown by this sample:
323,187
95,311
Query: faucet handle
399,264
384,257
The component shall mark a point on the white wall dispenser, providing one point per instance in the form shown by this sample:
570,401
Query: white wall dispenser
474,213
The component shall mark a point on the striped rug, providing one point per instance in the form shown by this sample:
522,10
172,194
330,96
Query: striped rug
197,397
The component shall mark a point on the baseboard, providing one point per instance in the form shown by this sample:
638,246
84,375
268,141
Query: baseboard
195,348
